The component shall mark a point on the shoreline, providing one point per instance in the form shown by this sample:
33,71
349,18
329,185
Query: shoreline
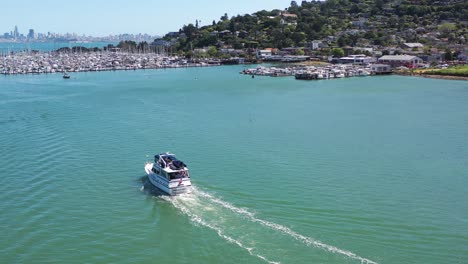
444,77
45,63
57,62
191,65
434,76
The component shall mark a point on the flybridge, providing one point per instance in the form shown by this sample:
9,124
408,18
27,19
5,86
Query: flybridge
169,160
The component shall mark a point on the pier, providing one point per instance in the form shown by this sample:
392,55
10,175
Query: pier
316,72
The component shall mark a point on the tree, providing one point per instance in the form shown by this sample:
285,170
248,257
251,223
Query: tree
355,9
300,52
225,17
447,28
298,37
212,51
232,26
337,52
448,55
189,31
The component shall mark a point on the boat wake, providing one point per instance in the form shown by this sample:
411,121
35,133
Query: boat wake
241,227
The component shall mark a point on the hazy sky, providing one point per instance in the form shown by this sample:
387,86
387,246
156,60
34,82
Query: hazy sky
93,17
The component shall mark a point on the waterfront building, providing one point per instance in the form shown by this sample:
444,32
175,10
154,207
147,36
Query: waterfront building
357,59
400,60
381,68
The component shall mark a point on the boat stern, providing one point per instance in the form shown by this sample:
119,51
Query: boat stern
181,186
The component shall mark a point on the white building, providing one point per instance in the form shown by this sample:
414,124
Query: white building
381,68
413,45
400,60
263,53
357,59
316,44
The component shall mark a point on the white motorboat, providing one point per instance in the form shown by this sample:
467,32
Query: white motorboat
169,174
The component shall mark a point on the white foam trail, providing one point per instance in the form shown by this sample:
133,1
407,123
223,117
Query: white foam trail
286,230
197,219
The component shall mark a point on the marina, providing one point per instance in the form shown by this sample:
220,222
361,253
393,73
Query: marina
52,62
317,72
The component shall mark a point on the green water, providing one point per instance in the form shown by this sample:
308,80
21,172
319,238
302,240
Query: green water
337,171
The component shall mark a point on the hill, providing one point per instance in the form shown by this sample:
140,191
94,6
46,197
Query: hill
334,23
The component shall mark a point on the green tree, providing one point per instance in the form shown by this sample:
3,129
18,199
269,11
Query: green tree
337,52
225,17
448,55
298,37
300,52
212,51
189,31
446,28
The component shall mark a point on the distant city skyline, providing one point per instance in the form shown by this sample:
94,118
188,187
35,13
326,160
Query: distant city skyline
93,18
32,36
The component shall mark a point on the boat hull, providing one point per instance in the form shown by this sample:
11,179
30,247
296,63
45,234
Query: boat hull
173,187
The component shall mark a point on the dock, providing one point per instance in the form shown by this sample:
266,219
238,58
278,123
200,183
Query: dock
318,72
57,62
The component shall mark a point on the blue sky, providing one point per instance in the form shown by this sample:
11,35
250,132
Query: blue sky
121,16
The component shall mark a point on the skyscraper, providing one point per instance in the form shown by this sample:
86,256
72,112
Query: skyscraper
31,34
16,33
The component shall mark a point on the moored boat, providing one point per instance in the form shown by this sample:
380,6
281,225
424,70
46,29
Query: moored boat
169,174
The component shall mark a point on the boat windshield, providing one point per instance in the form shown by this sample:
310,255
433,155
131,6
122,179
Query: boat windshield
177,175
170,157
169,160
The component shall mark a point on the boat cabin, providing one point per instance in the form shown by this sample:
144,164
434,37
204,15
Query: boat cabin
168,166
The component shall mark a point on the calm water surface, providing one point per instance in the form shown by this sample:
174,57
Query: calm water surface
341,171
6,47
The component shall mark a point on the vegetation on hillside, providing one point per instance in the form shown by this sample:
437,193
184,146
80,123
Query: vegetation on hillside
344,22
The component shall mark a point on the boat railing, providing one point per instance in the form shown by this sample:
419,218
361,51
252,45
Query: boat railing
163,162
